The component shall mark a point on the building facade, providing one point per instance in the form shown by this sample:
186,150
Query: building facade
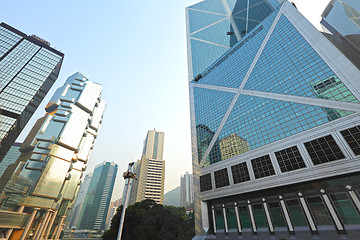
341,18
186,190
287,92
42,189
9,164
150,170
29,67
96,204
74,213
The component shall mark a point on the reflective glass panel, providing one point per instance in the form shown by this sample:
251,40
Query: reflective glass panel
276,214
319,211
345,208
210,108
219,218
231,218
210,6
259,121
245,219
259,215
289,65
296,213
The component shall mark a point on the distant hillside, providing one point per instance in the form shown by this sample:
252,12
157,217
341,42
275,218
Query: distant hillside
172,198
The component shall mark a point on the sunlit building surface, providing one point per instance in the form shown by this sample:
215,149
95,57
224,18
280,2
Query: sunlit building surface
233,145
38,196
290,98
150,170
28,69
96,204
186,190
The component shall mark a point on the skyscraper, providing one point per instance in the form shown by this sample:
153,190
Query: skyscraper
150,170
293,97
45,183
8,164
74,214
96,204
341,18
28,67
186,190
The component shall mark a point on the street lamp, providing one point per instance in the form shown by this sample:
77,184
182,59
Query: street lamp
129,175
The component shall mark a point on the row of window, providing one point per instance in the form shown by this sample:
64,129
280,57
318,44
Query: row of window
321,150
302,212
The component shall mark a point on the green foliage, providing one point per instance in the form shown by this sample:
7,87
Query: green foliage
147,220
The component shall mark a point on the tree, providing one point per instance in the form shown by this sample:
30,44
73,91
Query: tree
148,220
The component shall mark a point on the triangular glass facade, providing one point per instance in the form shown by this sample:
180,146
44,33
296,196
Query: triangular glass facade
214,6
210,109
203,54
289,65
259,121
200,19
216,33
238,60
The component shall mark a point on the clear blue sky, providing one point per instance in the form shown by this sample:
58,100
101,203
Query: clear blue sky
137,51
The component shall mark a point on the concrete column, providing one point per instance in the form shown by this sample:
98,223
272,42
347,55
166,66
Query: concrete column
42,225
214,220
287,217
307,214
29,223
355,199
52,219
9,232
252,217
271,227
237,217
332,212
46,224
225,219
60,227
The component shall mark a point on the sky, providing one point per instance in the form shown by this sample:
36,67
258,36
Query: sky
137,51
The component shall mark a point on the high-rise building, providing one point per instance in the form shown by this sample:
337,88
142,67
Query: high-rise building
95,208
214,26
186,190
287,92
54,155
74,213
150,170
28,69
114,205
341,23
9,164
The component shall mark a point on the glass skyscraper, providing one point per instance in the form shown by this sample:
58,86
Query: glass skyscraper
214,26
28,69
186,190
43,187
276,135
96,204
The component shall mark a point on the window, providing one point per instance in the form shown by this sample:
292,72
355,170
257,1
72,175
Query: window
205,182
221,178
259,215
240,173
244,217
319,211
296,213
276,214
289,159
262,166
352,137
345,208
231,218
323,150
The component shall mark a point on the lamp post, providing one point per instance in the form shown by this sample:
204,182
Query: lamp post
129,176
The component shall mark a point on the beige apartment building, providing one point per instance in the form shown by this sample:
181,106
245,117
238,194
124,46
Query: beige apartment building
150,170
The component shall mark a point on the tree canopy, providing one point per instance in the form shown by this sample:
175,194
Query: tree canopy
148,220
